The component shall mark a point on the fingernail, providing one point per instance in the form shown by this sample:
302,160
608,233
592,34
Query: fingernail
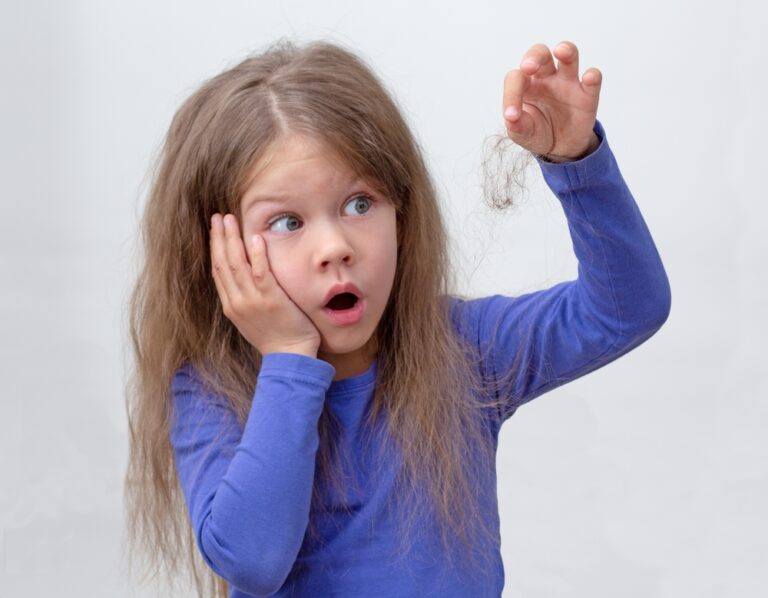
531,63
510,112
255,240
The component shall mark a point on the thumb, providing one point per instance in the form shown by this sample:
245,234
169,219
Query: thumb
521,130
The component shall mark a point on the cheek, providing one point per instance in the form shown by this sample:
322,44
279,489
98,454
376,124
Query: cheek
385,255
389,241
290,279
392,263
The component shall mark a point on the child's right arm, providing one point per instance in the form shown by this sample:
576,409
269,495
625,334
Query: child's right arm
248,490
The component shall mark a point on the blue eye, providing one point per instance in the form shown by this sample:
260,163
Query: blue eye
292,223
361,203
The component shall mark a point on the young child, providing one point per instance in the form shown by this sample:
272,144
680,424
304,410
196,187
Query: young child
313,412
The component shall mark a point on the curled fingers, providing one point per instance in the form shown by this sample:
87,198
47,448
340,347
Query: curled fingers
222,275
230,270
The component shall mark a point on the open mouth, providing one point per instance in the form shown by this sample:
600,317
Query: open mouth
342,301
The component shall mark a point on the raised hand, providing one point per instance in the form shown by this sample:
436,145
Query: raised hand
251,296
546,109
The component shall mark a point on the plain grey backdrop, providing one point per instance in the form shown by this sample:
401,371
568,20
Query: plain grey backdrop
647,478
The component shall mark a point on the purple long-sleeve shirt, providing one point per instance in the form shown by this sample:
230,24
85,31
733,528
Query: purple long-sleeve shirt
248,490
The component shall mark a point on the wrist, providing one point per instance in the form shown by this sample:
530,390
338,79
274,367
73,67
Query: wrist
594,143
298,349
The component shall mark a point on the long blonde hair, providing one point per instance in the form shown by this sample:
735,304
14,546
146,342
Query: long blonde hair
428,387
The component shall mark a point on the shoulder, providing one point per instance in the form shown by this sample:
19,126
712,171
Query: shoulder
190,389
195,404
185,378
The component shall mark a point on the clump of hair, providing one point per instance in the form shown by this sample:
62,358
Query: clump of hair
504,169
429,391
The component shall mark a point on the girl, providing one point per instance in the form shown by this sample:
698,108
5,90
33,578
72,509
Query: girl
312,412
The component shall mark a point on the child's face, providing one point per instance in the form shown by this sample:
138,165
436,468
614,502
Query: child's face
326,232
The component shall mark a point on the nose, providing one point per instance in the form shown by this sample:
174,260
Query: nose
334,248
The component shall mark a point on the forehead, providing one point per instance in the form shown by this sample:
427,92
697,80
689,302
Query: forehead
296,160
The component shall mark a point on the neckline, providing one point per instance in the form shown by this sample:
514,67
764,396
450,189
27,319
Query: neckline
355,383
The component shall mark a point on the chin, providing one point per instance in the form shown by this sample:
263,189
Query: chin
343,344
339,347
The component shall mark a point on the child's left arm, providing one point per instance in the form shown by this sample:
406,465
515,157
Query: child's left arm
536,342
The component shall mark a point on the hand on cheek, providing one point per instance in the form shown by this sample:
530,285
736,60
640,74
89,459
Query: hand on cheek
251,296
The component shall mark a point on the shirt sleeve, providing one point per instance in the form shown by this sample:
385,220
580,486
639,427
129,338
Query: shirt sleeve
248,490
536,342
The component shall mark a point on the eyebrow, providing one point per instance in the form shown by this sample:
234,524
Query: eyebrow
281,198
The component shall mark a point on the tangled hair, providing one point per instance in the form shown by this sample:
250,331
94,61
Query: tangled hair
428,389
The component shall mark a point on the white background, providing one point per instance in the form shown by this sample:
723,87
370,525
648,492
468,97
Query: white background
646,478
